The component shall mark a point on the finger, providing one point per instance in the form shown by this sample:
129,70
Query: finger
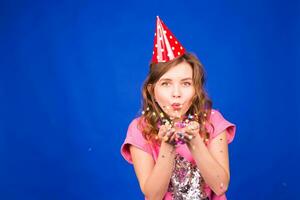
188,137
165,138
162,131
180,135
193,125
168,134
181,138
173,139
192,128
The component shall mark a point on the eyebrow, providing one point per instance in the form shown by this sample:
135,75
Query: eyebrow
168,79
187,79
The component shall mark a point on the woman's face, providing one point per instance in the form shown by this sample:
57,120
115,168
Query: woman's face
174,91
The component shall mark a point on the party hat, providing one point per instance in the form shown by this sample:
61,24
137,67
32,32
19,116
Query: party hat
166,46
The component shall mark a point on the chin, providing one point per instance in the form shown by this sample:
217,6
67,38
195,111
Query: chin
179,115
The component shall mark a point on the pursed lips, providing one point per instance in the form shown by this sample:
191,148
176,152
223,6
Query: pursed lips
176,106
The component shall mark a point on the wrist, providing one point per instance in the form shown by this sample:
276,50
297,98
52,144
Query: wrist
196,141
167,147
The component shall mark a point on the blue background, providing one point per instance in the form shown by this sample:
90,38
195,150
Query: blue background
70,80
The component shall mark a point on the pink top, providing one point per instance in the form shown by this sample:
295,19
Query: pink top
135,137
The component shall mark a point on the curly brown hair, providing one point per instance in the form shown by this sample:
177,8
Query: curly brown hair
201,103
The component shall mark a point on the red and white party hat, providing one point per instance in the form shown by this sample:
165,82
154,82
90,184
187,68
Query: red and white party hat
166,46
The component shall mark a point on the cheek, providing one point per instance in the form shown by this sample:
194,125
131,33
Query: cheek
190,94
160,96
189,99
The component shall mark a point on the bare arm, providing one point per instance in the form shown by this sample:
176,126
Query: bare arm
212,161
154,177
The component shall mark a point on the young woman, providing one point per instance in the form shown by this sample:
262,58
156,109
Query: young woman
179,146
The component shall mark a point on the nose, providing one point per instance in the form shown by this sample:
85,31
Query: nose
176,93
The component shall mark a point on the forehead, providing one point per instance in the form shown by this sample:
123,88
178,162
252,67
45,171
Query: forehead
179,71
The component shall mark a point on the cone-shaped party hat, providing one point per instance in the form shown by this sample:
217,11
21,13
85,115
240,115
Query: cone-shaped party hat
166,46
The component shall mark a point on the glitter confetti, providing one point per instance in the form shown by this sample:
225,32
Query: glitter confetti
186,181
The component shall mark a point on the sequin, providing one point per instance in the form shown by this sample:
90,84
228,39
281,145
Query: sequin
186,181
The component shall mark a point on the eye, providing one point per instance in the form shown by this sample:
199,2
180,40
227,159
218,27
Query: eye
165,83
187,83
